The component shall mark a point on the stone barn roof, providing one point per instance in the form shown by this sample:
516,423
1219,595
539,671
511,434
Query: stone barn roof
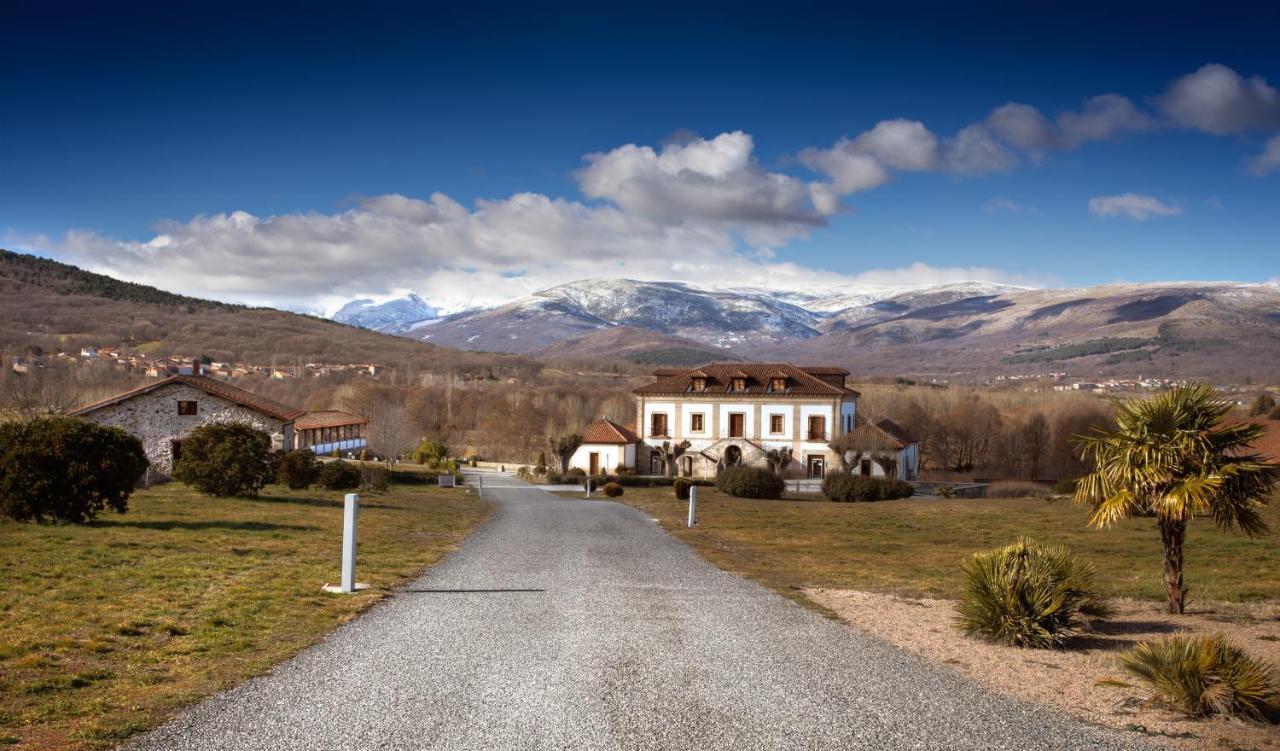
208,385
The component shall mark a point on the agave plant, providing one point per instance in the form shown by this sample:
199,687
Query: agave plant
1173,457
1205,675
1028,595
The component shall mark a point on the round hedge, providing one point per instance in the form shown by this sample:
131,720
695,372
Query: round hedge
338,475
749,482
66,470
225,459
843,487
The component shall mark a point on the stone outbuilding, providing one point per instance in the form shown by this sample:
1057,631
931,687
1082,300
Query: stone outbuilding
161,414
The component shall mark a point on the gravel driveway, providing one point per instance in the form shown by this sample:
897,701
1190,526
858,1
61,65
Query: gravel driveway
566,624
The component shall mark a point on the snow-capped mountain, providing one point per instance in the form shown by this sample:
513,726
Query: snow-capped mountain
1179,328
391,317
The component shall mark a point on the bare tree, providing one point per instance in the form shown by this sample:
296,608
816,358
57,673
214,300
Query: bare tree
563,446
1033,441
779,460
669,452
391,431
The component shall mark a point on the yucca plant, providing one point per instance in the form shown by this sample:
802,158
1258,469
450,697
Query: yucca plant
1028,595
1174,457
1205,675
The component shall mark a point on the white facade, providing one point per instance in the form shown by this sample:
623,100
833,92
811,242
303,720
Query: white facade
607,456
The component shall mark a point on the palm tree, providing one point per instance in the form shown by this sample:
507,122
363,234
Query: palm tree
1173,458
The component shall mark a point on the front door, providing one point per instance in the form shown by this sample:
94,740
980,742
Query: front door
817,466
865,468
736,420
595,463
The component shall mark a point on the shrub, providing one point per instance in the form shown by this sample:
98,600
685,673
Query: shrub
524,474
1205,675
554,477
296,469
681,486
430,452
844,488
1028,595
575,473
612,489
338,475
374,478
946,491
1066,486
623,469
225,459
67,470
749,482
1016,489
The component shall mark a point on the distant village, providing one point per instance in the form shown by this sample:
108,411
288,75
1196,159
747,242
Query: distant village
163,367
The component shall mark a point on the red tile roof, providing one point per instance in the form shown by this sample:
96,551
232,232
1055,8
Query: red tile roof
330,418
209,386
895,430
608,431
868,435
801,381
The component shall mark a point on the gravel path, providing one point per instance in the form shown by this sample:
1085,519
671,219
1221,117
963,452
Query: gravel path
567,624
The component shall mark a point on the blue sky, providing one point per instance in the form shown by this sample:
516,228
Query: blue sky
290,156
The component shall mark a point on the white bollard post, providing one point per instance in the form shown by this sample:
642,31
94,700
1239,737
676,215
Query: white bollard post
480,477
350,507
588,487
693,504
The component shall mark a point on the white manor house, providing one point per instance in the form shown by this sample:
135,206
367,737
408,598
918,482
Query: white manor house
737,413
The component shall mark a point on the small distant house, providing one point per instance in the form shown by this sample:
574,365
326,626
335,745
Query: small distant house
882,449
161,414
605,446
331,430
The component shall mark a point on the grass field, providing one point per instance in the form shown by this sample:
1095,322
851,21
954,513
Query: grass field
105,629
915,546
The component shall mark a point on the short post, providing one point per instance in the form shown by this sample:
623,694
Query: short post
350,508
480,477
693,504
588,487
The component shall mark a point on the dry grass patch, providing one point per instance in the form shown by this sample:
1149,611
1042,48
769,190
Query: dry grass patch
916,547
106,628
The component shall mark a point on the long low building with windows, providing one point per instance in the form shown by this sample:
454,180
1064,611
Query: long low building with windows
330,430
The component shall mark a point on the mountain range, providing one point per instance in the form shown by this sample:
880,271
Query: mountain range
961,330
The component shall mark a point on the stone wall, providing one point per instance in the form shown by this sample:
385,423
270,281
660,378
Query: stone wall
154,419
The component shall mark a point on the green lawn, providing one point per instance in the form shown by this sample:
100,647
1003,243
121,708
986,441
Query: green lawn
105,629
916,546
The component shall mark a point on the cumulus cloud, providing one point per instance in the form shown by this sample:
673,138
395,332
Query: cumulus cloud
712,180
1022,126
975,151
1102,117
1133,206
900,144
1218,100
1268,161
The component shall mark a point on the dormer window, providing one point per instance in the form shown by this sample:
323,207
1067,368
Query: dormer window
778,383
699,384
739,384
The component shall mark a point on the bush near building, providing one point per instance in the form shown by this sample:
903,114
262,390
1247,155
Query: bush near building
749,482
225,459
612,489
297,470
1201,676
843,487
681,487
338,475
61,469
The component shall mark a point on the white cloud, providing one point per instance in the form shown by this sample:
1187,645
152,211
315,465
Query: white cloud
1103,116
1218,100
1132,205
900,144
708,180
850,170
1008,206
1023,127
1268,161
975,151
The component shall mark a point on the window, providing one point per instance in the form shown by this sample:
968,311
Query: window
186,408
736,421
739,384
817,427
658,424
699,384
775,424
695,422
778,384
